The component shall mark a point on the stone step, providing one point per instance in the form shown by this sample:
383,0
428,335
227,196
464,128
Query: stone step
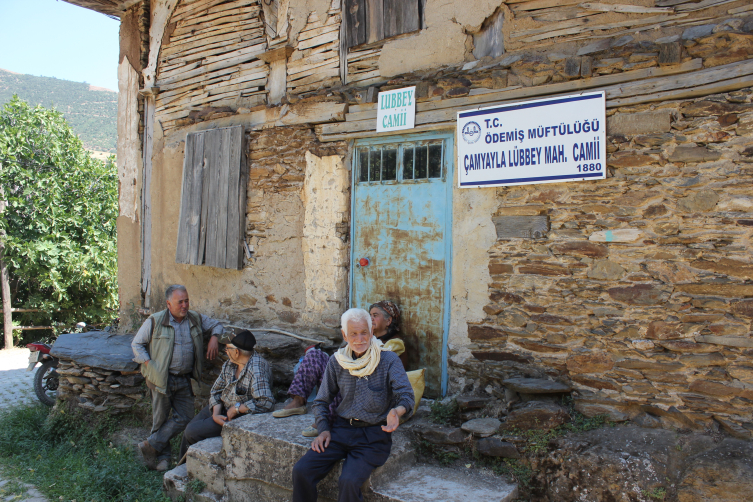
261,451
177,487
254,459
205,463
424,483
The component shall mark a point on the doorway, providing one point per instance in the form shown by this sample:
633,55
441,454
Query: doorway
402,218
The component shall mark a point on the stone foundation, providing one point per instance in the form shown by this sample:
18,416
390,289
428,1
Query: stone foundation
254,459
99,390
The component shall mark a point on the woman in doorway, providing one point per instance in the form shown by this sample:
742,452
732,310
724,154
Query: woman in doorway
385,319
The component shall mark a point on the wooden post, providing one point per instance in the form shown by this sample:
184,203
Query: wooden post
5,286
5,282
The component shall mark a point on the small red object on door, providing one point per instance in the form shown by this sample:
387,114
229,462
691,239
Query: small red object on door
364,262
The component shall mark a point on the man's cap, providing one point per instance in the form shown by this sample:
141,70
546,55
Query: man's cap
244,340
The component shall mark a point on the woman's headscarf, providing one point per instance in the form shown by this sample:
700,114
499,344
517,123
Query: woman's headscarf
393,311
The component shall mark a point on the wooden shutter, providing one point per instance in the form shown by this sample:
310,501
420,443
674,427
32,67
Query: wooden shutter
373,20
213,199
400,16
355,22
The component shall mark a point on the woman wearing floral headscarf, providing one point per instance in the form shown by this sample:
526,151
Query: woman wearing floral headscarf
385,322
385,317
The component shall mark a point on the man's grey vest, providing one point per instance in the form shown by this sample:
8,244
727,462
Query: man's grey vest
161,349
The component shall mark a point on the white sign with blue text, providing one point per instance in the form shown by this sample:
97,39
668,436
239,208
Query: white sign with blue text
396,109
542,141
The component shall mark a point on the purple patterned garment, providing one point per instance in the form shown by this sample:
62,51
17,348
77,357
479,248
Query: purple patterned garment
309,375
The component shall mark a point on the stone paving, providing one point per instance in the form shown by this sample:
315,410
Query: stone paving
16,384
12,490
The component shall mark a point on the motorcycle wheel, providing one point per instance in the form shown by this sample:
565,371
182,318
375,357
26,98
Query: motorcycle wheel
46,382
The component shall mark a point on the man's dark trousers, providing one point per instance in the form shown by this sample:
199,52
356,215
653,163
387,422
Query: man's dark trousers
167,424
363,448
200,428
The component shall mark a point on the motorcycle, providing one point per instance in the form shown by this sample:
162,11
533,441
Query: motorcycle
46,377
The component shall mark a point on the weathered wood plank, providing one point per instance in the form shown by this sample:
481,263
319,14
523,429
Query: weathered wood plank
400,16
551,27
355,22
190,211
146,200
375,21
521,227
632,9
726,85
311,62
222,43
321,74
317,68
313,113
188,9
609,26
236,207
198,31
182,250
315,32
197,189
236,54
222,200
213,141
707,76
225,64
542,4
206,176
318,40
368,111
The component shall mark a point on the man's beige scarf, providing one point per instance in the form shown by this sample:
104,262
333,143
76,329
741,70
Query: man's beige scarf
366,364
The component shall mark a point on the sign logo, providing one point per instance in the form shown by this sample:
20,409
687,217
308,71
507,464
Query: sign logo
471,132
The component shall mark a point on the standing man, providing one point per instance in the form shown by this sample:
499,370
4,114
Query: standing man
375,393
170,348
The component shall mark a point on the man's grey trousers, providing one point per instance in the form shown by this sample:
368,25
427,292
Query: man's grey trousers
171,412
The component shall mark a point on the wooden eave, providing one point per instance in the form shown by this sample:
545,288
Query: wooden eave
115,8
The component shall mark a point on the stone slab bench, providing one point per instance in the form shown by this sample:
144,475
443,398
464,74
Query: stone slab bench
254,459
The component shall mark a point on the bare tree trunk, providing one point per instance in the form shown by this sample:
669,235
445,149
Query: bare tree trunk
5,282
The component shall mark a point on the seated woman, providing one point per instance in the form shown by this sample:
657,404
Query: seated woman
385,317
242,387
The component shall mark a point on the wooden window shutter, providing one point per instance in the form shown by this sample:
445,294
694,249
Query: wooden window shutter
400,16
213,199
355,22
368,21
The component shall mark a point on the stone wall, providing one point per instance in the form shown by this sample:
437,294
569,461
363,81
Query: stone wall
638,294
268,291
100,390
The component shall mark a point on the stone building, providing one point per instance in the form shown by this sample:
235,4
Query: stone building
247,154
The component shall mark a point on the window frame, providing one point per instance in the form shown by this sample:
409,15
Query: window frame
401,143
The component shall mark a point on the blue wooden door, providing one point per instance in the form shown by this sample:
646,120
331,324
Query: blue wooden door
401,224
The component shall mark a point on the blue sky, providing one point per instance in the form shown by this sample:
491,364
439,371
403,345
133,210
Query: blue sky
56,39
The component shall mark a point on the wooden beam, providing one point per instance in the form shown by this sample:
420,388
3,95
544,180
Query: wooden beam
362,117
276,54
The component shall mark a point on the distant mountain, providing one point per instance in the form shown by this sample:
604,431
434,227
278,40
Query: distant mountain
91,111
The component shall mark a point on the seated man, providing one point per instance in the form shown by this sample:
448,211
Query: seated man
244,386
375,393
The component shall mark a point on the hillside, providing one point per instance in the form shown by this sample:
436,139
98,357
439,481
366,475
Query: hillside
91,113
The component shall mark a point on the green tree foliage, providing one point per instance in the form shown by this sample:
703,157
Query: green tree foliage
60,220
91,114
